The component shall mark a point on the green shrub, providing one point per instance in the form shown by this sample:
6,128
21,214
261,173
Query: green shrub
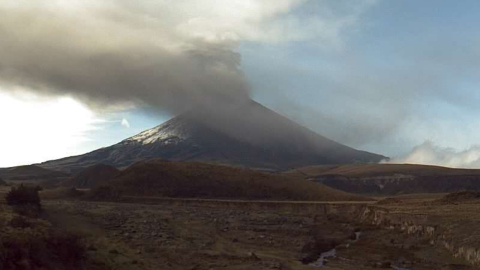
29,210
23,195
54,251
24,200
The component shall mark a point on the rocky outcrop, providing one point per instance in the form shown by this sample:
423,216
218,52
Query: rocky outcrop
401,184
423,226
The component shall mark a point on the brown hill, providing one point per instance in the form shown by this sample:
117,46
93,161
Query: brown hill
459,197
93,176
370,170
30,172
2,183
391,178
159,178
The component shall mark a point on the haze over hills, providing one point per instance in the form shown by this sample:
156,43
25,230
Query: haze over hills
248,134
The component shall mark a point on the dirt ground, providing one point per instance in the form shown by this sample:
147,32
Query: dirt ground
169,236
159,234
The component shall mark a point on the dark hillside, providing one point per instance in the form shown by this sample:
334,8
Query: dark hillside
391,179
250,135
93,176
30,172
159,178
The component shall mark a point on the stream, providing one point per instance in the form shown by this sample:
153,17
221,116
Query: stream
333,253
321,261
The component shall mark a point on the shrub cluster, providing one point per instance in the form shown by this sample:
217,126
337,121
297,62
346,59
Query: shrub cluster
36,248
23,195
55,251
24,200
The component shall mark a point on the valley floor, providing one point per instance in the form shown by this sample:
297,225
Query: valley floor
411,232
249,236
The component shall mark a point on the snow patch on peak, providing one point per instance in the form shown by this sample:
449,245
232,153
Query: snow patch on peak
156,134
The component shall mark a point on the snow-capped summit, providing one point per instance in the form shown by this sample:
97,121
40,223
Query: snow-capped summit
248,135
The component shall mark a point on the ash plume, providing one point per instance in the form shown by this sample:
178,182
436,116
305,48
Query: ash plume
167,55
171,56
106,53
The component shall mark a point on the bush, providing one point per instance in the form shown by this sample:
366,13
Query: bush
20,222
53,251
23,195
25,200
28,210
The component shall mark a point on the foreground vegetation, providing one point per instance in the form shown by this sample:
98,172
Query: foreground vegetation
28,241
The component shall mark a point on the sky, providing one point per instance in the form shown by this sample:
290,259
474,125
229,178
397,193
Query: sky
398,78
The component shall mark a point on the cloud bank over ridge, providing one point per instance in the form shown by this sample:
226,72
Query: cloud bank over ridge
429,153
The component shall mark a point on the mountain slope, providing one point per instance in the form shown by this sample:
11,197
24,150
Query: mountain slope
248,135
30,172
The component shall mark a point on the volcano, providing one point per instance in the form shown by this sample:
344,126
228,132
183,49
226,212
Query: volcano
247,135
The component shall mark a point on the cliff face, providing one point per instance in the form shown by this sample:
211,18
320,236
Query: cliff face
458,242
461,242
401,184
390,179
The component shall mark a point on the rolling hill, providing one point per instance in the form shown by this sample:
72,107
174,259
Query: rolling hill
92,176
31,172
390,178
160,178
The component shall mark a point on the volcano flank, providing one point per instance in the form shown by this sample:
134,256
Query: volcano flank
248,135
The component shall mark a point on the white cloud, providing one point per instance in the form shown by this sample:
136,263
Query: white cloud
175,24
429,153
266,21
125,123
35,129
